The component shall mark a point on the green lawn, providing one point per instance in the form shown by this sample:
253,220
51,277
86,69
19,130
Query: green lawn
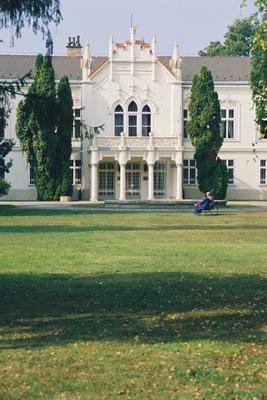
154,306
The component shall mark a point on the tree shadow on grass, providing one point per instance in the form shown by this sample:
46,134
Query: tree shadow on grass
45,310
74,229
70,211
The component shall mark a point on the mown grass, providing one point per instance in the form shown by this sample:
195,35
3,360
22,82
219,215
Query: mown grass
132,306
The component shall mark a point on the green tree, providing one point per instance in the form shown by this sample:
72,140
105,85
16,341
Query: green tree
5,147
237,40
36,128
44,128
205,135
258,81
36,14
16,15
64,131
214,49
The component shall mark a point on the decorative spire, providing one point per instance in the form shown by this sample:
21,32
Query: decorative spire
153,45
175,62
132,34
86,61
132,40
111,47
175,52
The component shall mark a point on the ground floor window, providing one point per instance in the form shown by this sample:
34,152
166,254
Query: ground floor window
160,179
230,169
31,176
133,177
106,181
263,172
76,168
2,169
189,172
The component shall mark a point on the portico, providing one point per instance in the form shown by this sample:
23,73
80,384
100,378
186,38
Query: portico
127,168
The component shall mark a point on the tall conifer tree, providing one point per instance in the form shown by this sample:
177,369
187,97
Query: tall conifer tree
64,131
44,125
204,130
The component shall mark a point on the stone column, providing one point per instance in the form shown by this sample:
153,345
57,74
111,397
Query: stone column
150,181
179,181
94,182
122,182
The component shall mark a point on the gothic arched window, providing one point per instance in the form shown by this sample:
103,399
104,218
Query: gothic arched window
132,118
146,120
118,123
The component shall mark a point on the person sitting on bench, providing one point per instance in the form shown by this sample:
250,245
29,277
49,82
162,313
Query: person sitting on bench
205,204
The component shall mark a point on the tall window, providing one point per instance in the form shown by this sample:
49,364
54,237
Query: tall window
189,172
159,179
132,119
2,125
77,123
106,185
263,172
2,169
133,175
76,168
230,169
227,123
263,134
185,119
118,123
31,176
146,121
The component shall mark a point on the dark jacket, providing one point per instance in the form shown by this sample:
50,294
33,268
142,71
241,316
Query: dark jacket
204,204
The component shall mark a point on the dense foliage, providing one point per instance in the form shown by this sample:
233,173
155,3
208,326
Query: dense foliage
238,40
64,132
36,14
259,69
8,91
16,15
204,129
5,147
44,128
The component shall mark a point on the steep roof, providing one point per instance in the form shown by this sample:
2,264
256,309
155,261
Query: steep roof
15,66
222,68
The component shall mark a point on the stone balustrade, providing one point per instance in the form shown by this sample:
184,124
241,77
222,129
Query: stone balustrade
135,142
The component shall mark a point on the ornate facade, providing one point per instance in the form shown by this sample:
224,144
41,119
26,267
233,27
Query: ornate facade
141,100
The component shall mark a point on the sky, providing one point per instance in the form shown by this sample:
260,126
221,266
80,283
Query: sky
193,23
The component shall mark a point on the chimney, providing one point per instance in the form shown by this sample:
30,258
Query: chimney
74,47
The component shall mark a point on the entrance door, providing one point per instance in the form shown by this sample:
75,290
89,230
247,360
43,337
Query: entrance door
133,180
106,187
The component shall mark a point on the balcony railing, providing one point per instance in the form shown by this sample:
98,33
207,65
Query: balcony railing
134,142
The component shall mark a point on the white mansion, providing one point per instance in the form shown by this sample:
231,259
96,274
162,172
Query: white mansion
144,151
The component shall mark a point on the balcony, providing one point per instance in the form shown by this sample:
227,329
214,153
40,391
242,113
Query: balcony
134,143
